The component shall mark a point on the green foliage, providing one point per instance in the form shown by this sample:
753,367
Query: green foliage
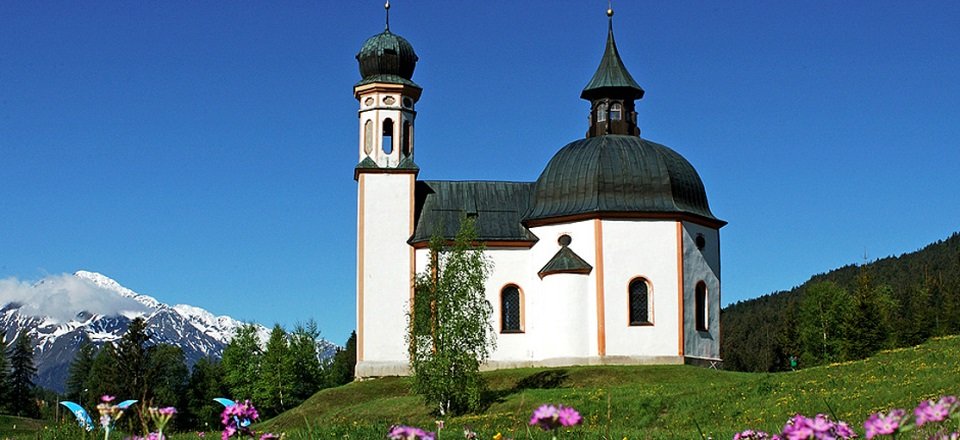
275,383
451,334
21,400
205,383
824,322
896,302
167,376
870,327
4,376
102,378
79,371
341,368
241,363
132,360
307,370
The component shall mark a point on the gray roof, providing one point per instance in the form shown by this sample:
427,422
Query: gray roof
565,261
618,174
497,206
611,75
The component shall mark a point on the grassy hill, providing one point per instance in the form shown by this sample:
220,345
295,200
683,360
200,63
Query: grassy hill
760,334
645,401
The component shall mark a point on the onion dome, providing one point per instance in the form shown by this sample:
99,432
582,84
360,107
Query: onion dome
387,58
619,176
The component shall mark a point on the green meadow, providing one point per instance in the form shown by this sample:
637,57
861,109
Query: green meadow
643,402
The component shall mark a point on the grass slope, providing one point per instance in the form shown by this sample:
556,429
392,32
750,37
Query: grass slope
19,427
645,401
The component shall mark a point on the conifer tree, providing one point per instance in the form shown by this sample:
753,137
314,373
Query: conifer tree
241,363
167,374
341,368
307,371
205,384
869,330
22,371
825,311
79,372
276,374
104,377
132,361
451,330
4,376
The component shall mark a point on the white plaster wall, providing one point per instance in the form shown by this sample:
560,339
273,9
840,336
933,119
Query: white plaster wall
562,317
563,305
701,265
641,248
386,265
511,266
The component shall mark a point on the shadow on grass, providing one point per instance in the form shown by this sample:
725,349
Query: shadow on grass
542,380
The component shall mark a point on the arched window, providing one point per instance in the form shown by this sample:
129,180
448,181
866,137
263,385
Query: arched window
368,137
387,144
405,138
639,302
615,111
701,305
510,310
601,112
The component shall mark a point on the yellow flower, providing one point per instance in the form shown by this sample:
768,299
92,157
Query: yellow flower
498,436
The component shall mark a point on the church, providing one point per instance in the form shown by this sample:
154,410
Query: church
612,256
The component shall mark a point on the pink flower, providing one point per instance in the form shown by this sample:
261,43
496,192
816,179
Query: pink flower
106,398
930,411
549,417
884,424
400,432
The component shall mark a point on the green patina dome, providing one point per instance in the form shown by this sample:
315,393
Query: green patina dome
618,174
387,57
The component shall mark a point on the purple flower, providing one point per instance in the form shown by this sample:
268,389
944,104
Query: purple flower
549,417
751,435
569,416
800,427
797,428
236,419
950,436
884,424
400,432
930,411
843,430
106,398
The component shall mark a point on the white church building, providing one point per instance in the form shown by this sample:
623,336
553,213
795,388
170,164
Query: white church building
612,256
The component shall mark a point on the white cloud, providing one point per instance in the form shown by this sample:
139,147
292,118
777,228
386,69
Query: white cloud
62,296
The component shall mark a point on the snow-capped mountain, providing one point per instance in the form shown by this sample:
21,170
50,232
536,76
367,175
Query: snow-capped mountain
62,312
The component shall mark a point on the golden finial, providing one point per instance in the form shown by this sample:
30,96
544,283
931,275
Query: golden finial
610,8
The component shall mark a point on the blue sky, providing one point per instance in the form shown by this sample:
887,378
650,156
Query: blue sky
202,152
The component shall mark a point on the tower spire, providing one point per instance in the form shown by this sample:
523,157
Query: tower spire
386,8
612,91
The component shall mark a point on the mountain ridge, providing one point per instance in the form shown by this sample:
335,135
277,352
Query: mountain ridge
63,312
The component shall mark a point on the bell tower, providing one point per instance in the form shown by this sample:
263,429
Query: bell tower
387,98
386,178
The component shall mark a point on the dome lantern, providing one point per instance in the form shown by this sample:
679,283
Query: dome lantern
612,92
